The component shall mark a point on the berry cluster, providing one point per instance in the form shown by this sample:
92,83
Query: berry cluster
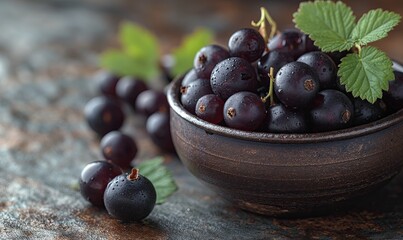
107,184
231,86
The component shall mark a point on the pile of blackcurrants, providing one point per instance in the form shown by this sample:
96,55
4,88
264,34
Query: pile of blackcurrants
109,184
232,87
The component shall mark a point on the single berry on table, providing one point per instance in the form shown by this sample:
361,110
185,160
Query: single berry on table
128,88
104,114
151,101
93,181
106,82
159,129
130,197
119,148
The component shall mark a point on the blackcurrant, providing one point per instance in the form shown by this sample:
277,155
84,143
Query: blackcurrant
210,108
130,197
206,59
233,75
106,82
104,114
296,85
394,96
274,59
94,178
246,43
244,111
284,120
189,77
191,93
159,130
324,66
119,148
366,112
128,88
291,41
331,110
151,101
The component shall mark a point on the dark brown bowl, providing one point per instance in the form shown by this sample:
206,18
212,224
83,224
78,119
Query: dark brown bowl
288,174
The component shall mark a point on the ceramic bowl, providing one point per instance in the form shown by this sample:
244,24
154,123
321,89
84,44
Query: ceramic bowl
288,174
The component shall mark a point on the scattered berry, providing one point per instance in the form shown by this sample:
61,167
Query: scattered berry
118,148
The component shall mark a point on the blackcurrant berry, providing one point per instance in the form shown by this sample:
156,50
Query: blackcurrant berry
191,93
106,82
291,41
246,43
296,85
284,120
119,148
94,178
274,59
394,96
324,66
233,75
244,111
130,197
365,112
151,101
206,59
189,77
159,129
103,115
128,88
331,110
210,108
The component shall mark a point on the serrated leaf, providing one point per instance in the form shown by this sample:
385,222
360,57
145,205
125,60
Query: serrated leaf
160,176
191,44
328,23
374,25
366,75
138,56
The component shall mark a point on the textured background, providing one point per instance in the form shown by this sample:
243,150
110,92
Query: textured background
48,53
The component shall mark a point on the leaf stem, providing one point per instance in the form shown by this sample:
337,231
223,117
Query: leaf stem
358,47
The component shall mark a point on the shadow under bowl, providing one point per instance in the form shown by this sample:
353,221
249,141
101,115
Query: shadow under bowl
288,175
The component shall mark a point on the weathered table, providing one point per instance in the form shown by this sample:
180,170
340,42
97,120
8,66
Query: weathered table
48,51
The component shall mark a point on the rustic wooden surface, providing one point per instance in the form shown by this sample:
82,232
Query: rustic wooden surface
48,53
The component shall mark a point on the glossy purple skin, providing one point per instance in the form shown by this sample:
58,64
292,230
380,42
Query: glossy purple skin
246,43
233,75
324,66
107,82
284,120
128,88
189,77
293,42
119,148
151,101
206,59
93,181
159,130
244,111
394,96
192,92
103,115
210,108
130,200
331,110
275,59
296,85
366,112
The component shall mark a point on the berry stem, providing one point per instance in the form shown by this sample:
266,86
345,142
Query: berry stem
270,94
358,48
134,175
265,16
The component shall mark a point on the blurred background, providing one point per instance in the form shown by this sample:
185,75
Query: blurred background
36,35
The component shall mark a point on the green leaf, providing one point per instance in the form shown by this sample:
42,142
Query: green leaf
374,25
329,24
139,55
366,75
160,176
191,44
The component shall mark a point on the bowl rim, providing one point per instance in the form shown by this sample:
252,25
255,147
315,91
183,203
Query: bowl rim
348,133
